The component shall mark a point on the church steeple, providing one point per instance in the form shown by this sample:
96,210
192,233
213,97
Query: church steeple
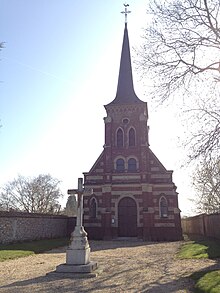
125,93
127,178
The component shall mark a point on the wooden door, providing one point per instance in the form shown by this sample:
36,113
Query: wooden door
127,217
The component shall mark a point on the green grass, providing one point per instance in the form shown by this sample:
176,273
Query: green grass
207,282
200,249
16,250
13,254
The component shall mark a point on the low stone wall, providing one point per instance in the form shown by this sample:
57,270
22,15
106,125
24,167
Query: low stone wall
17,226
202,225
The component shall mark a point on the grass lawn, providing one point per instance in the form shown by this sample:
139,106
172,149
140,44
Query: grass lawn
16,250
205,282
200,249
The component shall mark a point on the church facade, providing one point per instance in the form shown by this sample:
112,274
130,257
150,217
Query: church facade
133,193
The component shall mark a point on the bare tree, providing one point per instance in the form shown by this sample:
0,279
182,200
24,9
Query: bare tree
207,185
203,129
181,44
181,57
36,195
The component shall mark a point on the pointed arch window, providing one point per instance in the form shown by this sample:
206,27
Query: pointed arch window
131,137
93,208
132,165
163,207
120,138
120,165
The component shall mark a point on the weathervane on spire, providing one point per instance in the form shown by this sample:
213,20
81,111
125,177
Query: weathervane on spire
126,12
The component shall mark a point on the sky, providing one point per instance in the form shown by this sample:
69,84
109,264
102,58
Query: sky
58,68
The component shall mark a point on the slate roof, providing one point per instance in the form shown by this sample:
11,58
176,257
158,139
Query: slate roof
125,91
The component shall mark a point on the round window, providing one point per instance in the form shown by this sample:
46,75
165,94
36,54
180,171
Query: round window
125,121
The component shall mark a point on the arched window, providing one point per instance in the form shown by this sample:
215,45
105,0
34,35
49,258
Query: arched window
93,208
163,207
132,165
131,137
120,165
120,138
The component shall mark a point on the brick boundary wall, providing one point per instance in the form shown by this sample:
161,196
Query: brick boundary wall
202,225
19,226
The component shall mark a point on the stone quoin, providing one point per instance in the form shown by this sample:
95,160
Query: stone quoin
133,193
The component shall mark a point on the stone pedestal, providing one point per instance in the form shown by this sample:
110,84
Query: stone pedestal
78,256
78,253
79,269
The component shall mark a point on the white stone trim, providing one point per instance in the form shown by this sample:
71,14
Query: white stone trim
155,169
164,225
94,177
117,158
135,133
163,196
132,157
147,188
142,117
107,119
151,210
127,185
126,192
166,185
97,206
169,217
106,188
116,141
168,193
126,177
160,176
99,170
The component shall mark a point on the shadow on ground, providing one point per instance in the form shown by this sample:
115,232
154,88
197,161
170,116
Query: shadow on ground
50,284
117,276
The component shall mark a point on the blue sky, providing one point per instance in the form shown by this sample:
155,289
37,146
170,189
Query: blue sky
57,70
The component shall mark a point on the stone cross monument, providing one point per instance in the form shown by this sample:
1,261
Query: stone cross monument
78,252
79,242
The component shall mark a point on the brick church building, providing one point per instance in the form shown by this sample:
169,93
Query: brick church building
133,193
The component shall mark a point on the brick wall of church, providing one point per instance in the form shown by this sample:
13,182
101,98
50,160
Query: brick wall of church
18,227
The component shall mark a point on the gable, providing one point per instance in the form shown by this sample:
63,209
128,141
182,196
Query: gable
156,165
158,173
98,166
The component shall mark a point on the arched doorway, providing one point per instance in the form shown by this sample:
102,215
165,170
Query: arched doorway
127,217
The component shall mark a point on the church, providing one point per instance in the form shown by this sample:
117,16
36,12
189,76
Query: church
133,193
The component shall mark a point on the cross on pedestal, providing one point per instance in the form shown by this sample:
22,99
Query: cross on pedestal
78,252
79,192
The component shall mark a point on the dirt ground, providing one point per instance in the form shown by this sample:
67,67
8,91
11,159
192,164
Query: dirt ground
124,266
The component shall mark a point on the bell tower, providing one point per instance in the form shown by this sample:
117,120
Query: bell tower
133,193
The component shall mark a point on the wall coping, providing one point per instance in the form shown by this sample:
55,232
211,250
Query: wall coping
15,214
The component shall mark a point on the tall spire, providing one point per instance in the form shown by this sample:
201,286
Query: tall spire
125,90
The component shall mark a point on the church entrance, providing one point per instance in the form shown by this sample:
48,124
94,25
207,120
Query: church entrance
127,217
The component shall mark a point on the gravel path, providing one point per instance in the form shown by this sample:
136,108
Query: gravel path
126,267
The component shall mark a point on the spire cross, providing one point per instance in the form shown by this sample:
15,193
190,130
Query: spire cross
126,12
